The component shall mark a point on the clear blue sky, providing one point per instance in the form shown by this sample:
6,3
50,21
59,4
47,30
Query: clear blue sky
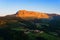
12,6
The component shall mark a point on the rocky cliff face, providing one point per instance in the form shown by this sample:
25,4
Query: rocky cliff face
31,15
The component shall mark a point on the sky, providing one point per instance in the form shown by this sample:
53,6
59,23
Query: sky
8,7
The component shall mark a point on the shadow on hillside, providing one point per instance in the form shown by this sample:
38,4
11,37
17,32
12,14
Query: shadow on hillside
15,35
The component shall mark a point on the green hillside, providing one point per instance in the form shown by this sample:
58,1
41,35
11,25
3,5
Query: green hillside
12,28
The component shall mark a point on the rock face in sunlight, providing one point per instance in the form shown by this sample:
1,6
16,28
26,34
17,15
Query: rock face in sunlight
31,14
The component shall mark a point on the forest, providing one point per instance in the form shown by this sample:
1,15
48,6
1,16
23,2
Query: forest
13,28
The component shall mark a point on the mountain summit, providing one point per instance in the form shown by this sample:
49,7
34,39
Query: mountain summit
24,14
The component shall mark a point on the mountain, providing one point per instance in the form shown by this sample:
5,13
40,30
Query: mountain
24,14
30,25
54,16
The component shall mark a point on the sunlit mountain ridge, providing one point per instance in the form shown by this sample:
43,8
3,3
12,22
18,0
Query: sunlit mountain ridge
31,14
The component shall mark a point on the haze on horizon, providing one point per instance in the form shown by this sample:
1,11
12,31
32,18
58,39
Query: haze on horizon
12,6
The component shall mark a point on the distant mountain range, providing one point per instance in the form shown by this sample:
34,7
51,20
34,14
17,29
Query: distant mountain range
31,15
27,15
